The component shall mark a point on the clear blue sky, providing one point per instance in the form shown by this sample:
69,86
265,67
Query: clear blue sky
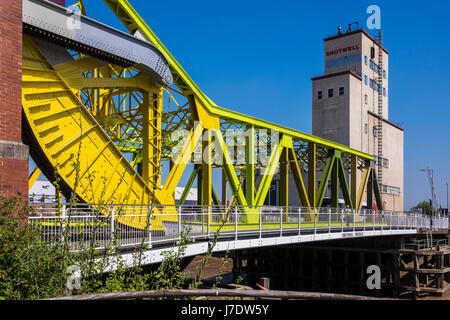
257,57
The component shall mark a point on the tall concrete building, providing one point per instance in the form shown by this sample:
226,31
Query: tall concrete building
350,105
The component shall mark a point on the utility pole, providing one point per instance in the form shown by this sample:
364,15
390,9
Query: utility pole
447,183
430,175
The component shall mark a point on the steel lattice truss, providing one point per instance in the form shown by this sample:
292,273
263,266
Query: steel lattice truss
179,123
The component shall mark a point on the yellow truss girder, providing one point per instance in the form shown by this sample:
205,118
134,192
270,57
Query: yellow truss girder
73,141
129,106
134,22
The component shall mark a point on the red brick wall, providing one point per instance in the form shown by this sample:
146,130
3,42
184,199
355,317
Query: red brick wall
10,70
13,170
12,180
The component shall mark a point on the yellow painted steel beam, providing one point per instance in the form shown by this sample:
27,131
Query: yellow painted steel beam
33,177
312,161
250,165
140,82
297,175
230,172
75,68
206,169
353,179
73,142
325,178
284,178
344,184
335,183
206,176
179,165
134,22
376,190
268,174
362,187
188,185
151,134
224,188
147,133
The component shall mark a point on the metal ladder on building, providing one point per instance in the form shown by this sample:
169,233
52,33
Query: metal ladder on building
429,238
379,39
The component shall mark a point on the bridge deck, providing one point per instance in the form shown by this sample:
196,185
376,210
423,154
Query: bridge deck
204,225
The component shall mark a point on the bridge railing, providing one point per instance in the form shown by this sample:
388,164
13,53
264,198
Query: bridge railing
101,226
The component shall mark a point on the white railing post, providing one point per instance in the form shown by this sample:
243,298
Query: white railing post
299,219
63,223
208,215
342,217
281,221
112,223
179,221
374,219
149,217
354,222
363,211
235,223
260,223
390,220
315,221
329,220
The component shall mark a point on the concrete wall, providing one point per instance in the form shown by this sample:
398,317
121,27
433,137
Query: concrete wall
330,116
351,119
343,50
367,44
13,154
393,175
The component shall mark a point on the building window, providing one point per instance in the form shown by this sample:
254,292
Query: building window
375,131
372,52
376,68
384,92
389,189
341,91
330,93
366,128
374,85
366,60
366,99
383,162
384,73
319,95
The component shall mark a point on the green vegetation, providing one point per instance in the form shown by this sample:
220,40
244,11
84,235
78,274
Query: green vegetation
31,268
425,207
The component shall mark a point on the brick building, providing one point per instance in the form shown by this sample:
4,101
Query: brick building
13,153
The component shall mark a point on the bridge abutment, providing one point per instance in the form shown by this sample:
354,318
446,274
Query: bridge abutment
342,267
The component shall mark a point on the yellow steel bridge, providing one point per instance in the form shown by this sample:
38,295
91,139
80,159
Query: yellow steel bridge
97,125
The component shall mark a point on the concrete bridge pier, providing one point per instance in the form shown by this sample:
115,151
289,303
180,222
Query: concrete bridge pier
340,266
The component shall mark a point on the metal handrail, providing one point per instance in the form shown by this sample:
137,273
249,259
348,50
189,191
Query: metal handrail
164,224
